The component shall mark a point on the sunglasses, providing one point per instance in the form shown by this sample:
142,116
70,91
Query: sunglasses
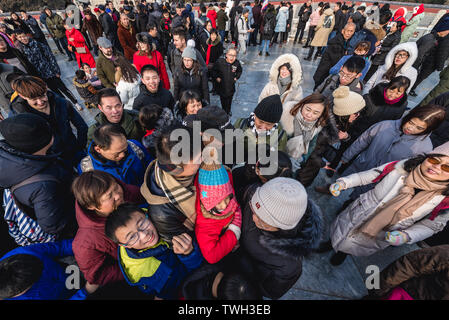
433,160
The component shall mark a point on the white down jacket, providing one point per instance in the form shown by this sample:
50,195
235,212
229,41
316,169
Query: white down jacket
344,229
271,88
407,69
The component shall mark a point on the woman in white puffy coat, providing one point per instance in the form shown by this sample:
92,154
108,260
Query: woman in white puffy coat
128,81
284,80
399,62
408,204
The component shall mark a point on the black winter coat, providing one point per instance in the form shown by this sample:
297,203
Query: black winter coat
389,42
50,203
304,14
108,25
433,51
5,87
377,110
277,256
226,72
340,21
336,49
269,23
441,134
185,80
162,97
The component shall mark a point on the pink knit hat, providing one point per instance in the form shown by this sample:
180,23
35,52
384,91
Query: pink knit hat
443,149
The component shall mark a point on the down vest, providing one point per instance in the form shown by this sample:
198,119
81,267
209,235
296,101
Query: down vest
271,88
344,234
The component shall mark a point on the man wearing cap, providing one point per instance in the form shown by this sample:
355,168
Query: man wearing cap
263,127
25,155
109,27
105,62
280,226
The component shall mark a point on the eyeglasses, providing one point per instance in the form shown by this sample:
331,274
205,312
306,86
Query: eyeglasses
346,76
402,55
216,211
143,226
433,160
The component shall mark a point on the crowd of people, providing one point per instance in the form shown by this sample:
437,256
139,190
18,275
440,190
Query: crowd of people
141,218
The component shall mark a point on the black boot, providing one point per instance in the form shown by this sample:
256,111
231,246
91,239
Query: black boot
309,57
338,258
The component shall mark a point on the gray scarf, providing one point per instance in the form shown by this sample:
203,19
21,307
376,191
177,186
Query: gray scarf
304,128
283,84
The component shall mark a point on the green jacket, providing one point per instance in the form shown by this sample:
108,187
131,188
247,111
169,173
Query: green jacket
55,25
129,123
440,88
251,140
105,70
222,17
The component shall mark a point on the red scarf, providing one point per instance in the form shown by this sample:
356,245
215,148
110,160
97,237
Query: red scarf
388,101
208,53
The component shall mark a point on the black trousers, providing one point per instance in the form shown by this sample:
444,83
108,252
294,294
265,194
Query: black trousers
425,71
300,31
226,103
370,72
58,86
310,35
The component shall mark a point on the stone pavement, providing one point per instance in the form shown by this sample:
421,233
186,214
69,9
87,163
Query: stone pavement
320,280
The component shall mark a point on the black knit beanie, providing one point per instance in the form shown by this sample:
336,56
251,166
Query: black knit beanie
26,132
269,109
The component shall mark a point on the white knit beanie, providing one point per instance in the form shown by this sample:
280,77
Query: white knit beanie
347,102
281,202
443,149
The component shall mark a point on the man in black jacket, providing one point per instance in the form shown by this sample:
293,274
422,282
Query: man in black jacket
340,19
433,51
336,49
226,72
303,16
151,90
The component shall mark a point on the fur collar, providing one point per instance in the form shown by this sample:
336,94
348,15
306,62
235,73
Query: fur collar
300,241
295,65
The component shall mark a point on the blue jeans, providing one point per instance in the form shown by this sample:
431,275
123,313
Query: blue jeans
264,45
222,35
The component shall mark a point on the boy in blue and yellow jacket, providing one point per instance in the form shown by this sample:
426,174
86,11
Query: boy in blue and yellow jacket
147,261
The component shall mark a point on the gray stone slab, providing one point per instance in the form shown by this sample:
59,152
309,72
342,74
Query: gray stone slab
297,294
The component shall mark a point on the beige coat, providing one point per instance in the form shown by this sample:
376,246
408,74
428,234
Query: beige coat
294,93
344,232
322,34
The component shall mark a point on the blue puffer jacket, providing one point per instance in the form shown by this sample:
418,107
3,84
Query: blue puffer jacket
62,115
51,285
50,203
130,170
164,270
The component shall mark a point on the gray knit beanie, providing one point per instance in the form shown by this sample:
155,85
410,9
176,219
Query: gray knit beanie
281,202
189,52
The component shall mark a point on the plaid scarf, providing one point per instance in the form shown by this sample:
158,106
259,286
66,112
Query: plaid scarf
252,125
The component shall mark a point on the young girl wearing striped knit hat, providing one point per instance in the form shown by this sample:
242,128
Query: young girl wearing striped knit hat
218,220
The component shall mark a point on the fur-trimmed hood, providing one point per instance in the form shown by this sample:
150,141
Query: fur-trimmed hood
412,50
294,64
301,240
287,119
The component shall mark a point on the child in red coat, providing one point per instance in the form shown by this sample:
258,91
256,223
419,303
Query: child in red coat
219,217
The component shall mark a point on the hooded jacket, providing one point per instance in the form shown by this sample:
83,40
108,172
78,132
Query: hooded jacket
158,270
62,116
412,23
277,256
162,97
271,88
281,20
129,123
406,70
96,254
322,33
157,60
50,203
130,170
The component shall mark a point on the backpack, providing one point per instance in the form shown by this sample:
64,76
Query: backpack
327,22
22,228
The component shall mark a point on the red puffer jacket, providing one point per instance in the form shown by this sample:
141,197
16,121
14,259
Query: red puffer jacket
139,60
95,253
